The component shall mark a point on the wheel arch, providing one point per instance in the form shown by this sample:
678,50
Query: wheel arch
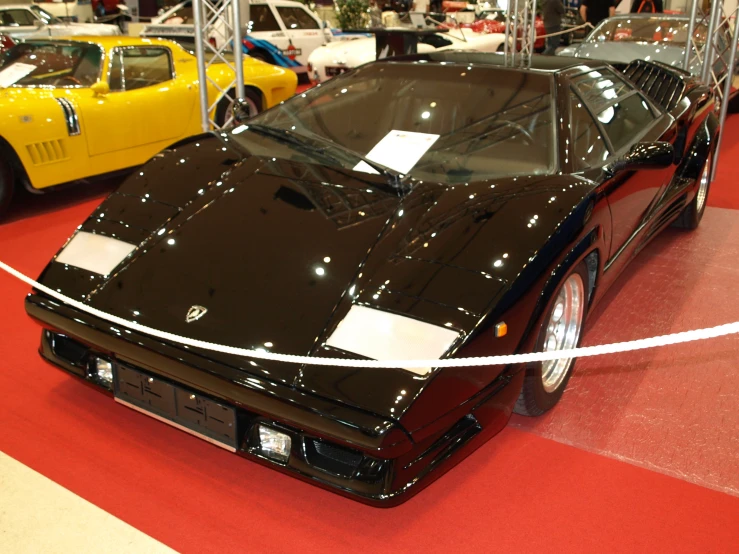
18,171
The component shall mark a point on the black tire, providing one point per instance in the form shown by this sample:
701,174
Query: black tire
7,182
692,214
224,106
260,55
535,399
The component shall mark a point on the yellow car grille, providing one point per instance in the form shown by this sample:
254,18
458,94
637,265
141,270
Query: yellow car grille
47,152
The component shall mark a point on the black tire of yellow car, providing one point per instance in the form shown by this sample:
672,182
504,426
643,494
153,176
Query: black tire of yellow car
534,400
223,107
7,182
692,214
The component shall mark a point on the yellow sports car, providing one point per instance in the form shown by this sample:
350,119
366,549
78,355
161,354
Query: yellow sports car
84,106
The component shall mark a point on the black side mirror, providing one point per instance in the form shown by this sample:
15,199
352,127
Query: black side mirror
644,155
241,111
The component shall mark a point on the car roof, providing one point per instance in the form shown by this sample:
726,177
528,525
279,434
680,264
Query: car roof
107,42
544,64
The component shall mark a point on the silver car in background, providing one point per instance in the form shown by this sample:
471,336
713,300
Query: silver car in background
651,37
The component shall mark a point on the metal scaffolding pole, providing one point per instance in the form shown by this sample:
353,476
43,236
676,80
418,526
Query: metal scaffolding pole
708,49
218,40
521,16
689,43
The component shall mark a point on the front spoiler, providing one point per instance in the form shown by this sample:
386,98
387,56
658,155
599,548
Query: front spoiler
393,466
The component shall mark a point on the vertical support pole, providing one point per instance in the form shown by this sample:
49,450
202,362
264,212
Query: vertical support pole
532,36
197,12
514,31
506,46
691,29
708,49
238,50
725,103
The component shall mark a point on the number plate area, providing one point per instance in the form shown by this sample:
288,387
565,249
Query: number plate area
188,411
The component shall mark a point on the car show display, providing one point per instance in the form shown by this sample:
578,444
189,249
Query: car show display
64,97
479,228
332,251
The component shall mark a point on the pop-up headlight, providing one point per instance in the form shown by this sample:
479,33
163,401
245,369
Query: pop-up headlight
96,253
274,444
382,335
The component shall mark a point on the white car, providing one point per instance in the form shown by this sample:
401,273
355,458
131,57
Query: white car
69,10
22,21
338,57
290,26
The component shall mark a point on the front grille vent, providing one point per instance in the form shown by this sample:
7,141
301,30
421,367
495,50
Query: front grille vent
50,151
332,459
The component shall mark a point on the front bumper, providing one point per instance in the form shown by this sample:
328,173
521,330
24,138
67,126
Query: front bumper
358,454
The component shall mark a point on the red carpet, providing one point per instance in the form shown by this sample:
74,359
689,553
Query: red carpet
672,410
725,187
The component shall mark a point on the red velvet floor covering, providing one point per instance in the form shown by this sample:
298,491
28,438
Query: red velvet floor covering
673,410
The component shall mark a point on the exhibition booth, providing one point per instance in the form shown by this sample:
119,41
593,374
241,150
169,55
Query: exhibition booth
431,286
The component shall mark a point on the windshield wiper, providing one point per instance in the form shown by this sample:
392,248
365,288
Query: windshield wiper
286,137
299,141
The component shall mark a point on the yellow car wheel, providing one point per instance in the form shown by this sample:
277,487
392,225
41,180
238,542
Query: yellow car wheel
224,116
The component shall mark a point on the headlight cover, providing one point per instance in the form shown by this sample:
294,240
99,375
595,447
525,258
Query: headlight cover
95,253
383,335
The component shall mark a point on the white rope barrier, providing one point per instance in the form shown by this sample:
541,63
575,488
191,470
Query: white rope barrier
663,340
565,31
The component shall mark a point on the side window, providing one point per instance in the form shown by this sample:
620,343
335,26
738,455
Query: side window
588,147
143,67
17,18
618,106
262,19
297,18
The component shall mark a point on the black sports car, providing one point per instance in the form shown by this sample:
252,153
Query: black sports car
422,207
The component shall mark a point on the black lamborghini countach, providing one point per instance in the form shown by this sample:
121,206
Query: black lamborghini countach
422,207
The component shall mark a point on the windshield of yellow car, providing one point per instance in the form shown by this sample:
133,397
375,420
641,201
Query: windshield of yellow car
51,64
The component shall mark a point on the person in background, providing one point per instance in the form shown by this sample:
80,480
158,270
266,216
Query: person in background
647,6
552,12
421,6
595,11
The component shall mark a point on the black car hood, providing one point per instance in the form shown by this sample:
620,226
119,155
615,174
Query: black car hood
278,251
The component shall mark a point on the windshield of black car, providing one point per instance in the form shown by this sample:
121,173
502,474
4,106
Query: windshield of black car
483,121
650,29
58,64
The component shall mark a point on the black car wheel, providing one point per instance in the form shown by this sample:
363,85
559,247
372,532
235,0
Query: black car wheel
691,216
7,182
224,110
545,382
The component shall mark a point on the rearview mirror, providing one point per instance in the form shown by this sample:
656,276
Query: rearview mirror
644,155
100,88
241,110
38,23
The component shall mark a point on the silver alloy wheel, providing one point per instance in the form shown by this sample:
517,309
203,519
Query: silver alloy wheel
563,330
702,194
228,120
